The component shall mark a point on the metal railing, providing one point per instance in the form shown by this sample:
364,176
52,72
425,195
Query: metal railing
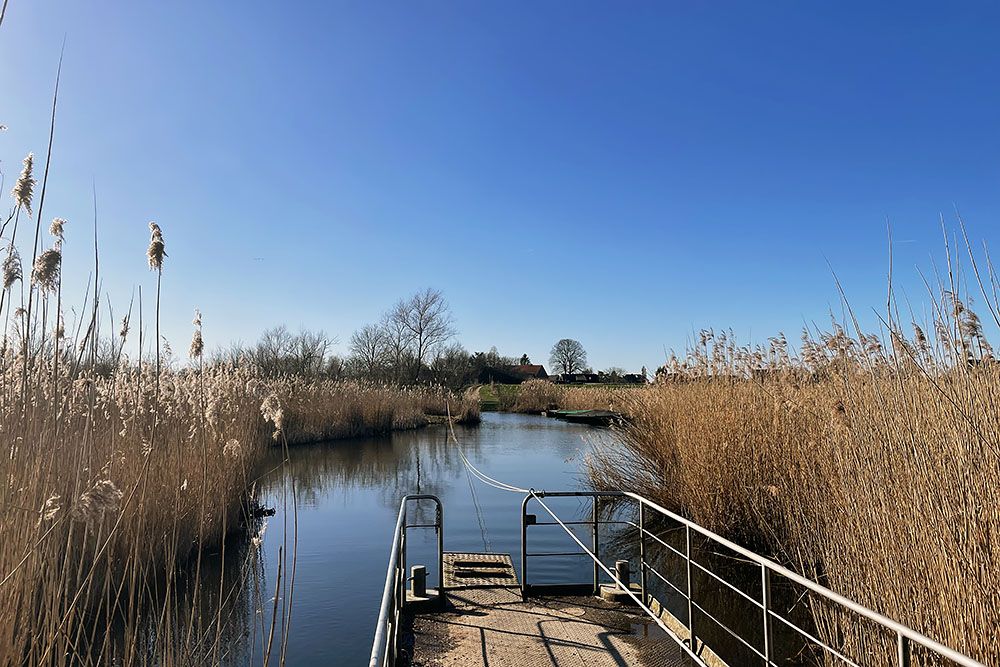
906,638
385,648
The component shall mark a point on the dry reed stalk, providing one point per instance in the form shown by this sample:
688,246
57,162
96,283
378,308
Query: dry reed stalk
872,466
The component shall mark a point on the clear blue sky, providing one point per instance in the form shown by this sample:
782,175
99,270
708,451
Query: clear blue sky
619,173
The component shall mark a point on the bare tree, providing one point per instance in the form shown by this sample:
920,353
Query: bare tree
309,353
397,340
427,318
568,356
279,351
274,346
370,350
613,374
450,366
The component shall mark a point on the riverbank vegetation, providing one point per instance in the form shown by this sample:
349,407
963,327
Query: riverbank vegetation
867,461
127,477
536,396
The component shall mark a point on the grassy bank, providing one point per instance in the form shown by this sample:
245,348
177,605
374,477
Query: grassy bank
873,466
535,396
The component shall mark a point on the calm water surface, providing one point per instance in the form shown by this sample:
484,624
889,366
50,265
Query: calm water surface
347,496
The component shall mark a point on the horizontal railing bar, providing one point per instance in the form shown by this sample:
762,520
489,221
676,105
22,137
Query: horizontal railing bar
650,568
423,525
679,553
557,553
859,609
815,640
726,583
597,561
578,523
885,621
732,633
580,494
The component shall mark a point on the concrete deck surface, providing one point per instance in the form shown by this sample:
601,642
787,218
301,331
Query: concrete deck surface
494,627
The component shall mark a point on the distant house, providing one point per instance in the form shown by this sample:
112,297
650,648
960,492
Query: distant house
576,378
512,374
598,378
530,371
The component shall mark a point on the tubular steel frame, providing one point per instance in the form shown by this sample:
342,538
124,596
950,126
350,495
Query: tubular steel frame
385,647
906,638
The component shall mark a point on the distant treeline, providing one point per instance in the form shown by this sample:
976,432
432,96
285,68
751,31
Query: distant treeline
412,343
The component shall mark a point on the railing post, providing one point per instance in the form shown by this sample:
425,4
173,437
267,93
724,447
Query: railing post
440,536
401,565
690,588
642,552
597,569
902,651
765,583
524,547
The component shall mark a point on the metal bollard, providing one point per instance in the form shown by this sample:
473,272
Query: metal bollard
622,572
418,581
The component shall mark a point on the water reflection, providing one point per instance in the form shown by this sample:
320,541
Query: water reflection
406,462
336,505
347,494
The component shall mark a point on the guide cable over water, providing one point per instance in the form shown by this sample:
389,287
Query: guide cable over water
687,636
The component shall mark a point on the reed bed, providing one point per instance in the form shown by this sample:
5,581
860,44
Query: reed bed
306,411
126,482
110,492
870,462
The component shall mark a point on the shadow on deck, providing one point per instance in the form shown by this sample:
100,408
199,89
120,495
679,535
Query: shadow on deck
488,624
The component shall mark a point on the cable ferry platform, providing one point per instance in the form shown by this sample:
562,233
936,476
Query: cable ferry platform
485,622
484,612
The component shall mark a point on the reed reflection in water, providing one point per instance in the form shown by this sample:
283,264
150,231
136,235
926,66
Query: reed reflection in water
347,494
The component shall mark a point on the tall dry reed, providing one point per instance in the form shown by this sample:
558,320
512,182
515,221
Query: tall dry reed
124,482
868,461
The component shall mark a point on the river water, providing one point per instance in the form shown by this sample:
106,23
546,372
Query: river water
346,500
313,586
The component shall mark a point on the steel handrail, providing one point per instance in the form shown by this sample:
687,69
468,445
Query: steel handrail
904,635
384,644
822,591
597,562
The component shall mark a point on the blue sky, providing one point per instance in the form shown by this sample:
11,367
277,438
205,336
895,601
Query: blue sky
619,173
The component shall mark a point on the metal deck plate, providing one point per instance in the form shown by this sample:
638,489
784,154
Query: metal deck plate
493,627
478,570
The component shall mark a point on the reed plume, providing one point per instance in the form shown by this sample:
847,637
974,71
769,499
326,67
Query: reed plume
197,344
155,254
56,229
45,274
11,268
24,187
157,250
